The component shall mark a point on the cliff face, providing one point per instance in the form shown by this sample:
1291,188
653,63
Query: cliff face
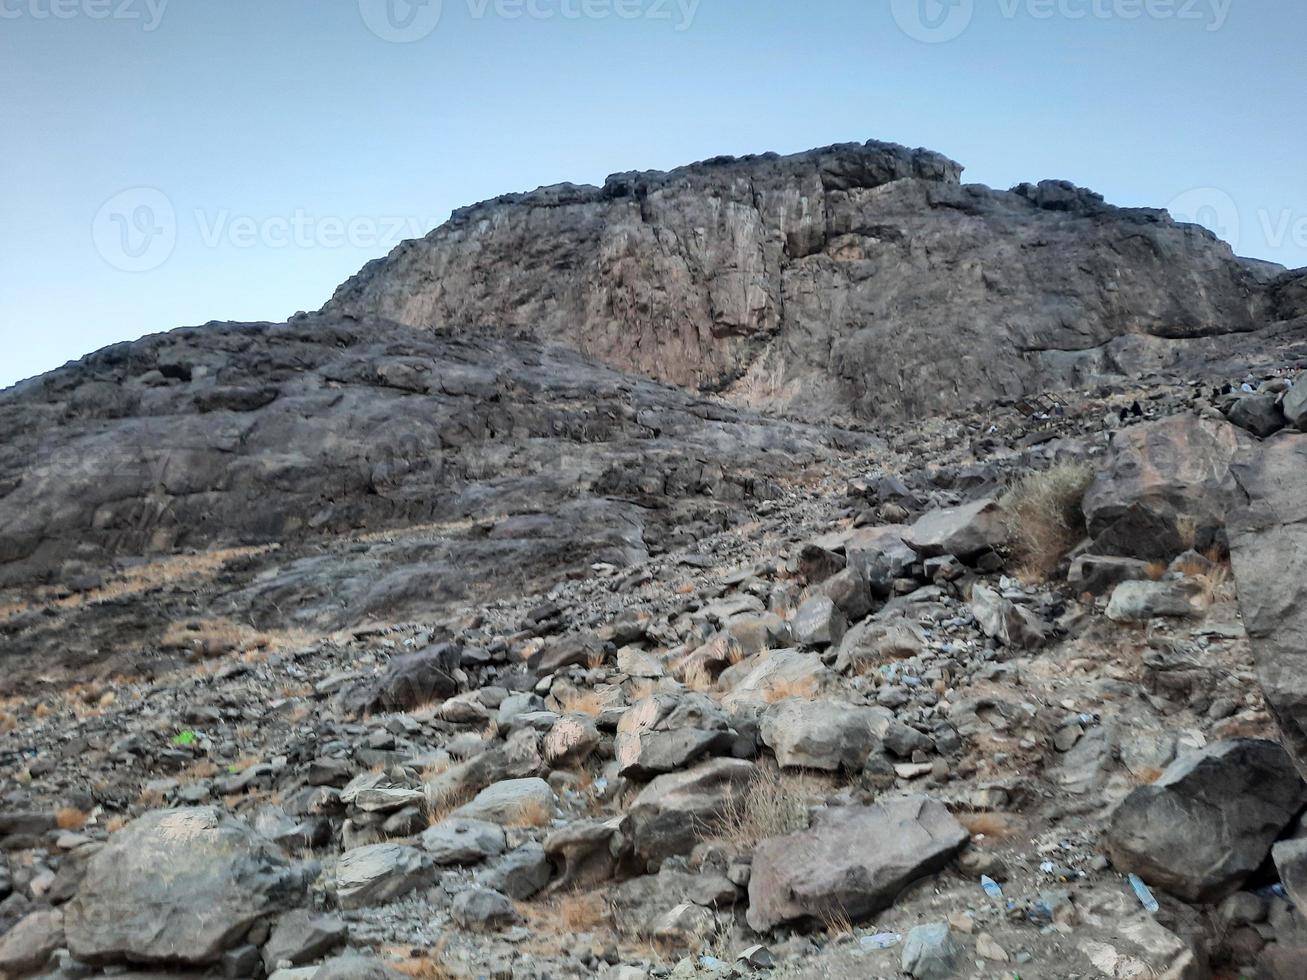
862,279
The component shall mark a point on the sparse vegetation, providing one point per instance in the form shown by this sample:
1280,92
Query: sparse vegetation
71,818
532,813
1046,518
775,803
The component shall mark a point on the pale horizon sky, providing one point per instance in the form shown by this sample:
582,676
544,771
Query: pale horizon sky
171,162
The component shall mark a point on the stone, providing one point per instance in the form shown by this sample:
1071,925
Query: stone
965,532
1290,857
1142,947
512,802
571,740
355,967
930,952
458,841
30,944
856,859
587,852
379,873
849,591
1139,602
880,556
1167,486
1268,553
414,679
575,650
878,641
1258,414
517,758
300,936
1100,574
826,735
818,622
666,732
520,873
677,810
1209,821
767,677
126,908
483,910
1011,625
1294,404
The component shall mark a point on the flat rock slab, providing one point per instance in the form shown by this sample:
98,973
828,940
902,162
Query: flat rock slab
854,860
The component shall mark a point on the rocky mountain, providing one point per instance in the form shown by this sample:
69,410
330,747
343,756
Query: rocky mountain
524,614
856,279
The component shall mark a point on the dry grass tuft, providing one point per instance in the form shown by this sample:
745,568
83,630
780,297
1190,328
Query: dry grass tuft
8,722
784,688
42,710
1156,570
441,804
697,677
583,913
837,923
1046,518
532,813
774,804
995,826
71,818
115,823
590,703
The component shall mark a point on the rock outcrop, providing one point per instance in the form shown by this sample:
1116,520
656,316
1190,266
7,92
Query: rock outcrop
857,278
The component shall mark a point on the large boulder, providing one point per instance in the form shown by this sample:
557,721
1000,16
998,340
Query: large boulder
379,873
1168,486
1268,552
964,532
826,735
1003,620
665,732
513,802
674,812
853,860
1209,821
178,886
1141,601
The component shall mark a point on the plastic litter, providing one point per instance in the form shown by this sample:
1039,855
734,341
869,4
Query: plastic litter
1143,893
991,887
882,940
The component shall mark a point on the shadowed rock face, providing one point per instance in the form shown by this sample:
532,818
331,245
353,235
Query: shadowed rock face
855,278
505,460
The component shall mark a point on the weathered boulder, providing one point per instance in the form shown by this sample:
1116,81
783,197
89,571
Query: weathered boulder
355,967
482,909
666,732
519,874
826,735
1294,404
458,841
512,802
964,532
850,593
412,680
587,852
677,810
932,952
819,622
517,758
1290,858
1100,574
853,859
1209,821
1259,414
300,936
571,740
379,873
772,676
1268,553
575,650
178,886
1140,601
1168,486
879,640
1003,620
29,945
880,555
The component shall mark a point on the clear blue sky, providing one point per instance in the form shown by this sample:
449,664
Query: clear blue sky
283,143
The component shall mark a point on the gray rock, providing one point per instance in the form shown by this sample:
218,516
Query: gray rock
930,952
459,841
1290,858
666,732
1099,574
571,740
826,735
511,802
818,622
856,859
1294,404
139,896
850,592
677,810
1138,602
1011,625
355,967
588,852
1258,414
412,680
29,945
300,936
520,873
379,873
482,909
964,532
1202,828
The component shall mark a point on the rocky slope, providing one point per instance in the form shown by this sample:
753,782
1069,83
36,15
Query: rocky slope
351,648
860,279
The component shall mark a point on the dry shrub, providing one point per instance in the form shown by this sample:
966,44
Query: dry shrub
420,966
582,913
697,677
71,818
115,823
995,826
584,702
774,804
1156,570
784,688
836,921
8,722
42,710
532,813
1217,585
441,804
1046,518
